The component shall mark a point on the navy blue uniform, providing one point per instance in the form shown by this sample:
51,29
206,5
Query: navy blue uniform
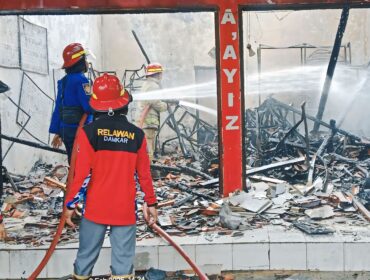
71,95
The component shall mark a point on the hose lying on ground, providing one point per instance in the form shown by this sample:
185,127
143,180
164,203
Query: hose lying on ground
178,248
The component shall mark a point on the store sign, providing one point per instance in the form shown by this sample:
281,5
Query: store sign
230,101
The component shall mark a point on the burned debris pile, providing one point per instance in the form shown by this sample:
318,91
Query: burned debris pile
311,181
32,204
295,178
299,178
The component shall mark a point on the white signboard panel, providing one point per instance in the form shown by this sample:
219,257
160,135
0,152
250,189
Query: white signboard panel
34,47
9,43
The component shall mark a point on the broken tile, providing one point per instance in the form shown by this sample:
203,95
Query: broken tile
323,212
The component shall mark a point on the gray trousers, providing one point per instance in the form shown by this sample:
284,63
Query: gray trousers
123,242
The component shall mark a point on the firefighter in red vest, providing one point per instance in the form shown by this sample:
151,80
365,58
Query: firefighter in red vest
112,150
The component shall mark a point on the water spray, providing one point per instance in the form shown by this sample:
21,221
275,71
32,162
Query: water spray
205,109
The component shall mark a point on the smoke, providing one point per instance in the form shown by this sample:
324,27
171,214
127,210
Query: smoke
347,103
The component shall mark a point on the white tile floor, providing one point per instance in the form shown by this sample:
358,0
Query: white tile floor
170,260
215,254
254,256
24,262
325,256
261,249
288,256
356,256
4,264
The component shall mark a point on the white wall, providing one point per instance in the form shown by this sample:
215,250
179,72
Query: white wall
62,30
179,41
282,74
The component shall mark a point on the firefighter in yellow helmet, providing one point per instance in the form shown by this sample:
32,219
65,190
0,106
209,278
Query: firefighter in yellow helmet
150,110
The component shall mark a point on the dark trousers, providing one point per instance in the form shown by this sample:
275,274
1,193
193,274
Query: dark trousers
68,138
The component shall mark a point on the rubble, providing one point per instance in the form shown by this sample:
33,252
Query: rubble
323,212
32,213
304,181
312,228
228,219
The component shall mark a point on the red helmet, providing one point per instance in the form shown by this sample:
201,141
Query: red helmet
108,94
153,68
72,54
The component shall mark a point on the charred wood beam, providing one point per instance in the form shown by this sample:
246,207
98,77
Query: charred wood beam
258,134
210,183
171,121
56,183
182,201
306,135
275,165
185,188
267,179
345,159
325,181
9,178
288,143
313,161
359,206
363,170
312,118
165,167
331,66
271,166
292,129
32,144
195,172
182,169
354,162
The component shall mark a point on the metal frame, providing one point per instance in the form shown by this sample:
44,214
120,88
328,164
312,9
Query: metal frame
23,127
228,24
130,76
303,52
184,136
25,75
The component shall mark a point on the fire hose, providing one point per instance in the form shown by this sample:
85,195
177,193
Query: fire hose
62,221
178,248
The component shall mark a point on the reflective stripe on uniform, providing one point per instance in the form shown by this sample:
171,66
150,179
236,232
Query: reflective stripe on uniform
154,70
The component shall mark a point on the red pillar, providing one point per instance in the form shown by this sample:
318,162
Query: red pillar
230,98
